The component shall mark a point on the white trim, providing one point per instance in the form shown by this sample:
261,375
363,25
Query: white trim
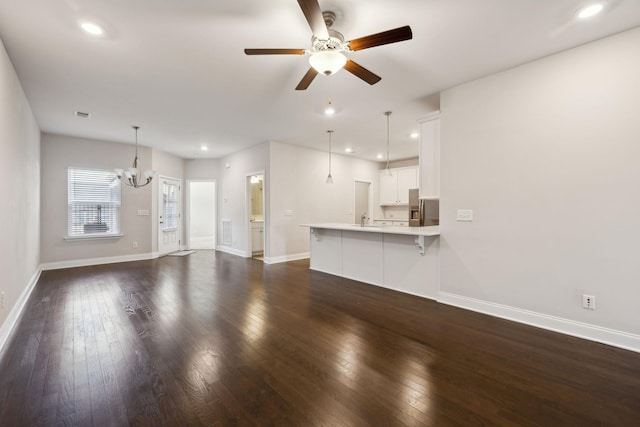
557,324
93,237
208,242
247,209
428,117
232,251
287,258
97,261
12,319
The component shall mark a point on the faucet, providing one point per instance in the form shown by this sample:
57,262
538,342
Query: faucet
362,218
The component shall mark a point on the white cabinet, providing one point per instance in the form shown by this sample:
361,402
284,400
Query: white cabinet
257,237
394,189
430,156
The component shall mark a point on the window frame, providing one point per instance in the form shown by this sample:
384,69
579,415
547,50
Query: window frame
113,202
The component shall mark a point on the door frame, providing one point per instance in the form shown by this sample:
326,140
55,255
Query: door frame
187,221
370,196
159,230
247,209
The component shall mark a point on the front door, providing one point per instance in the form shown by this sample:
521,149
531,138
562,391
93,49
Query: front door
169,221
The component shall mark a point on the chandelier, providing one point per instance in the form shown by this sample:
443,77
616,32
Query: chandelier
132,176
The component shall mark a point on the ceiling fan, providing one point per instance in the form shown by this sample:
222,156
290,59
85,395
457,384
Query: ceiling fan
328,45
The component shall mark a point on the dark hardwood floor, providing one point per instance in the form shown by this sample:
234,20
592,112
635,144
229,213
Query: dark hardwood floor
214,339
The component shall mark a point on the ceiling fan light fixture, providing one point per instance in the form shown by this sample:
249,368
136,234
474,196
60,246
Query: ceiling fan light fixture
327,62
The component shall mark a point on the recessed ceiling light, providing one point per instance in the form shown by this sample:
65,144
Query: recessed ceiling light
348,150
92,28
329,110
379,156
204,147
591,10
414,135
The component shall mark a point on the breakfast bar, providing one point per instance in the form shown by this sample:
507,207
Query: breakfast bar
400,258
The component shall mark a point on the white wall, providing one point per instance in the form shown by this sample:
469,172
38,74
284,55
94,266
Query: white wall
232,193
548,157
58,153
20,213
297,183
202,169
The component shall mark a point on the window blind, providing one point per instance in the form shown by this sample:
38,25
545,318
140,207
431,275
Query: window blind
93,202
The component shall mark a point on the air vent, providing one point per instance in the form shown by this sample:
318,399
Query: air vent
226,232
81,114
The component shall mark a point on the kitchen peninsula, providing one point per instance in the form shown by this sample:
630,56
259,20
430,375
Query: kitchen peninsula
400,258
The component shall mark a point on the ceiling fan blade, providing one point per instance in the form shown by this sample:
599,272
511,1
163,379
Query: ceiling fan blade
274,51
313,13
361,72
379,39
307,79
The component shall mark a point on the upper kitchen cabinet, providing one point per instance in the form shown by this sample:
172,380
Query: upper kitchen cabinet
394,189
430,156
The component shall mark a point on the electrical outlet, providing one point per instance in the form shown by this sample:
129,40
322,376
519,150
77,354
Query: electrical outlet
2,299
465,215
589,301
135,245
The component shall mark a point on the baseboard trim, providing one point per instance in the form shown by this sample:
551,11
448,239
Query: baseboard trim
232,251
286,258
97,261
595,333
12,319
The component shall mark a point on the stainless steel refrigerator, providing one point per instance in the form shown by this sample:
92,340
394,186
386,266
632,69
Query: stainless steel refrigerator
423,212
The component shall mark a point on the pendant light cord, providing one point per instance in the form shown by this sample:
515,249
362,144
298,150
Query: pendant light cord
135,160
388,113
330,132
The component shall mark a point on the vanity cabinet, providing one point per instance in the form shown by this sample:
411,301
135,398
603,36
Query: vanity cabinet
430,156
257,237
394,189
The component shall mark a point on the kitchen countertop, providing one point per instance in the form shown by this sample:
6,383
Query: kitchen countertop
385,229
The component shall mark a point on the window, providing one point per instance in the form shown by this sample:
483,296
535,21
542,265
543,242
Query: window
170,206
93,203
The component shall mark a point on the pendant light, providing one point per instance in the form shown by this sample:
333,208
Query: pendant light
132,176
329,177
387,170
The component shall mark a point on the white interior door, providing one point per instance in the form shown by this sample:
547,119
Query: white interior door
201,210
169,220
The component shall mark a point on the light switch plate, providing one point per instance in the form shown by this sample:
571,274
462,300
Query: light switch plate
288,212
465,215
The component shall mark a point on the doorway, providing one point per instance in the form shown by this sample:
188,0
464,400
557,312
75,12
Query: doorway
169,216
201,214
362,205
256,208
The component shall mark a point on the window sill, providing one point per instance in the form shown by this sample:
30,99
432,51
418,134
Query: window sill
94,237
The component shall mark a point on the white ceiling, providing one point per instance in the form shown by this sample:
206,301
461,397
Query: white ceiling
177,69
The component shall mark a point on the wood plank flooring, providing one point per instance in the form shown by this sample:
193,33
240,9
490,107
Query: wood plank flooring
217,340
